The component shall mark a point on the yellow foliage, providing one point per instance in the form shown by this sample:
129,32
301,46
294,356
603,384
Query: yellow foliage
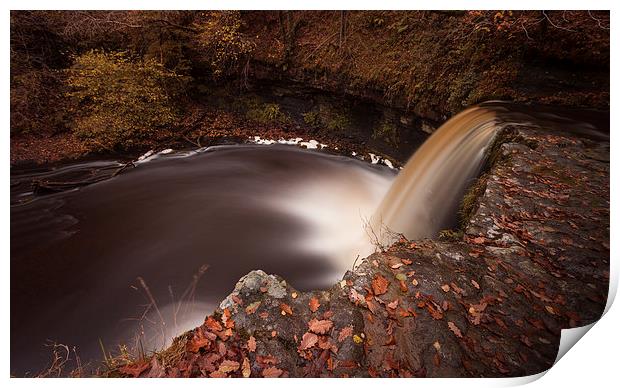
121,101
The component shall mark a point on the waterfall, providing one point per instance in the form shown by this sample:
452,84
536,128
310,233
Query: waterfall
425,196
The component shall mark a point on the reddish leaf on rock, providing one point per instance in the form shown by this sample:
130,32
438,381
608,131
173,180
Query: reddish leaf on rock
245,368
308,340
252,307
268,359
213,325
134,369
226,318
380,285
228,366
237,300
406,261
286,309
345,333
455,329
252,344
396,266
371,306
392,305
478,240
195,344
320,326
218,374
445,288
314,304
272,372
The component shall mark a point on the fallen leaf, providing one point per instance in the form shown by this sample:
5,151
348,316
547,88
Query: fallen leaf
397,265
272,372
455,329
252,307
414,282
392,305
218,374
252,344
357,339
478,240
406,261
320,326
237,300
308,340
345,333
134,369
285,309
274,333
445,288
228,366
475,284
380,285
314,304
550,310
196,344
245,368
226,318
371,306
213,325
294,295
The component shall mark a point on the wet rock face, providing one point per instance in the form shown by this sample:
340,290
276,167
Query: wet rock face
534,259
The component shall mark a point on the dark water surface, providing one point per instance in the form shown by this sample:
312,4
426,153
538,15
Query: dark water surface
75,256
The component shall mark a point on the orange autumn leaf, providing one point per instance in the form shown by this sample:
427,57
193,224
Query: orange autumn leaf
345,333
308,340
134,369
455,329
285,309
314,304
380,285
252,307
252,344
245,368
226,318
320,326
228,366
478,240
213,325
196,344
272,372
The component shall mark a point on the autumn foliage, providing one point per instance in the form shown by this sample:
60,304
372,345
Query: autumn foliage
119,100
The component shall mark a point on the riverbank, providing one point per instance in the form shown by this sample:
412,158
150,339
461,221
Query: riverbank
488,302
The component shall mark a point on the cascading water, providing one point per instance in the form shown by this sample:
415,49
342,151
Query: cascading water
424,197
299,214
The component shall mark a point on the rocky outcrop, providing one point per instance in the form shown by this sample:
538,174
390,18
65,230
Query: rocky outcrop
533,259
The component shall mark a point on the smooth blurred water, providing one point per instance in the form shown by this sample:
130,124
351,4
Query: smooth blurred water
75,256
